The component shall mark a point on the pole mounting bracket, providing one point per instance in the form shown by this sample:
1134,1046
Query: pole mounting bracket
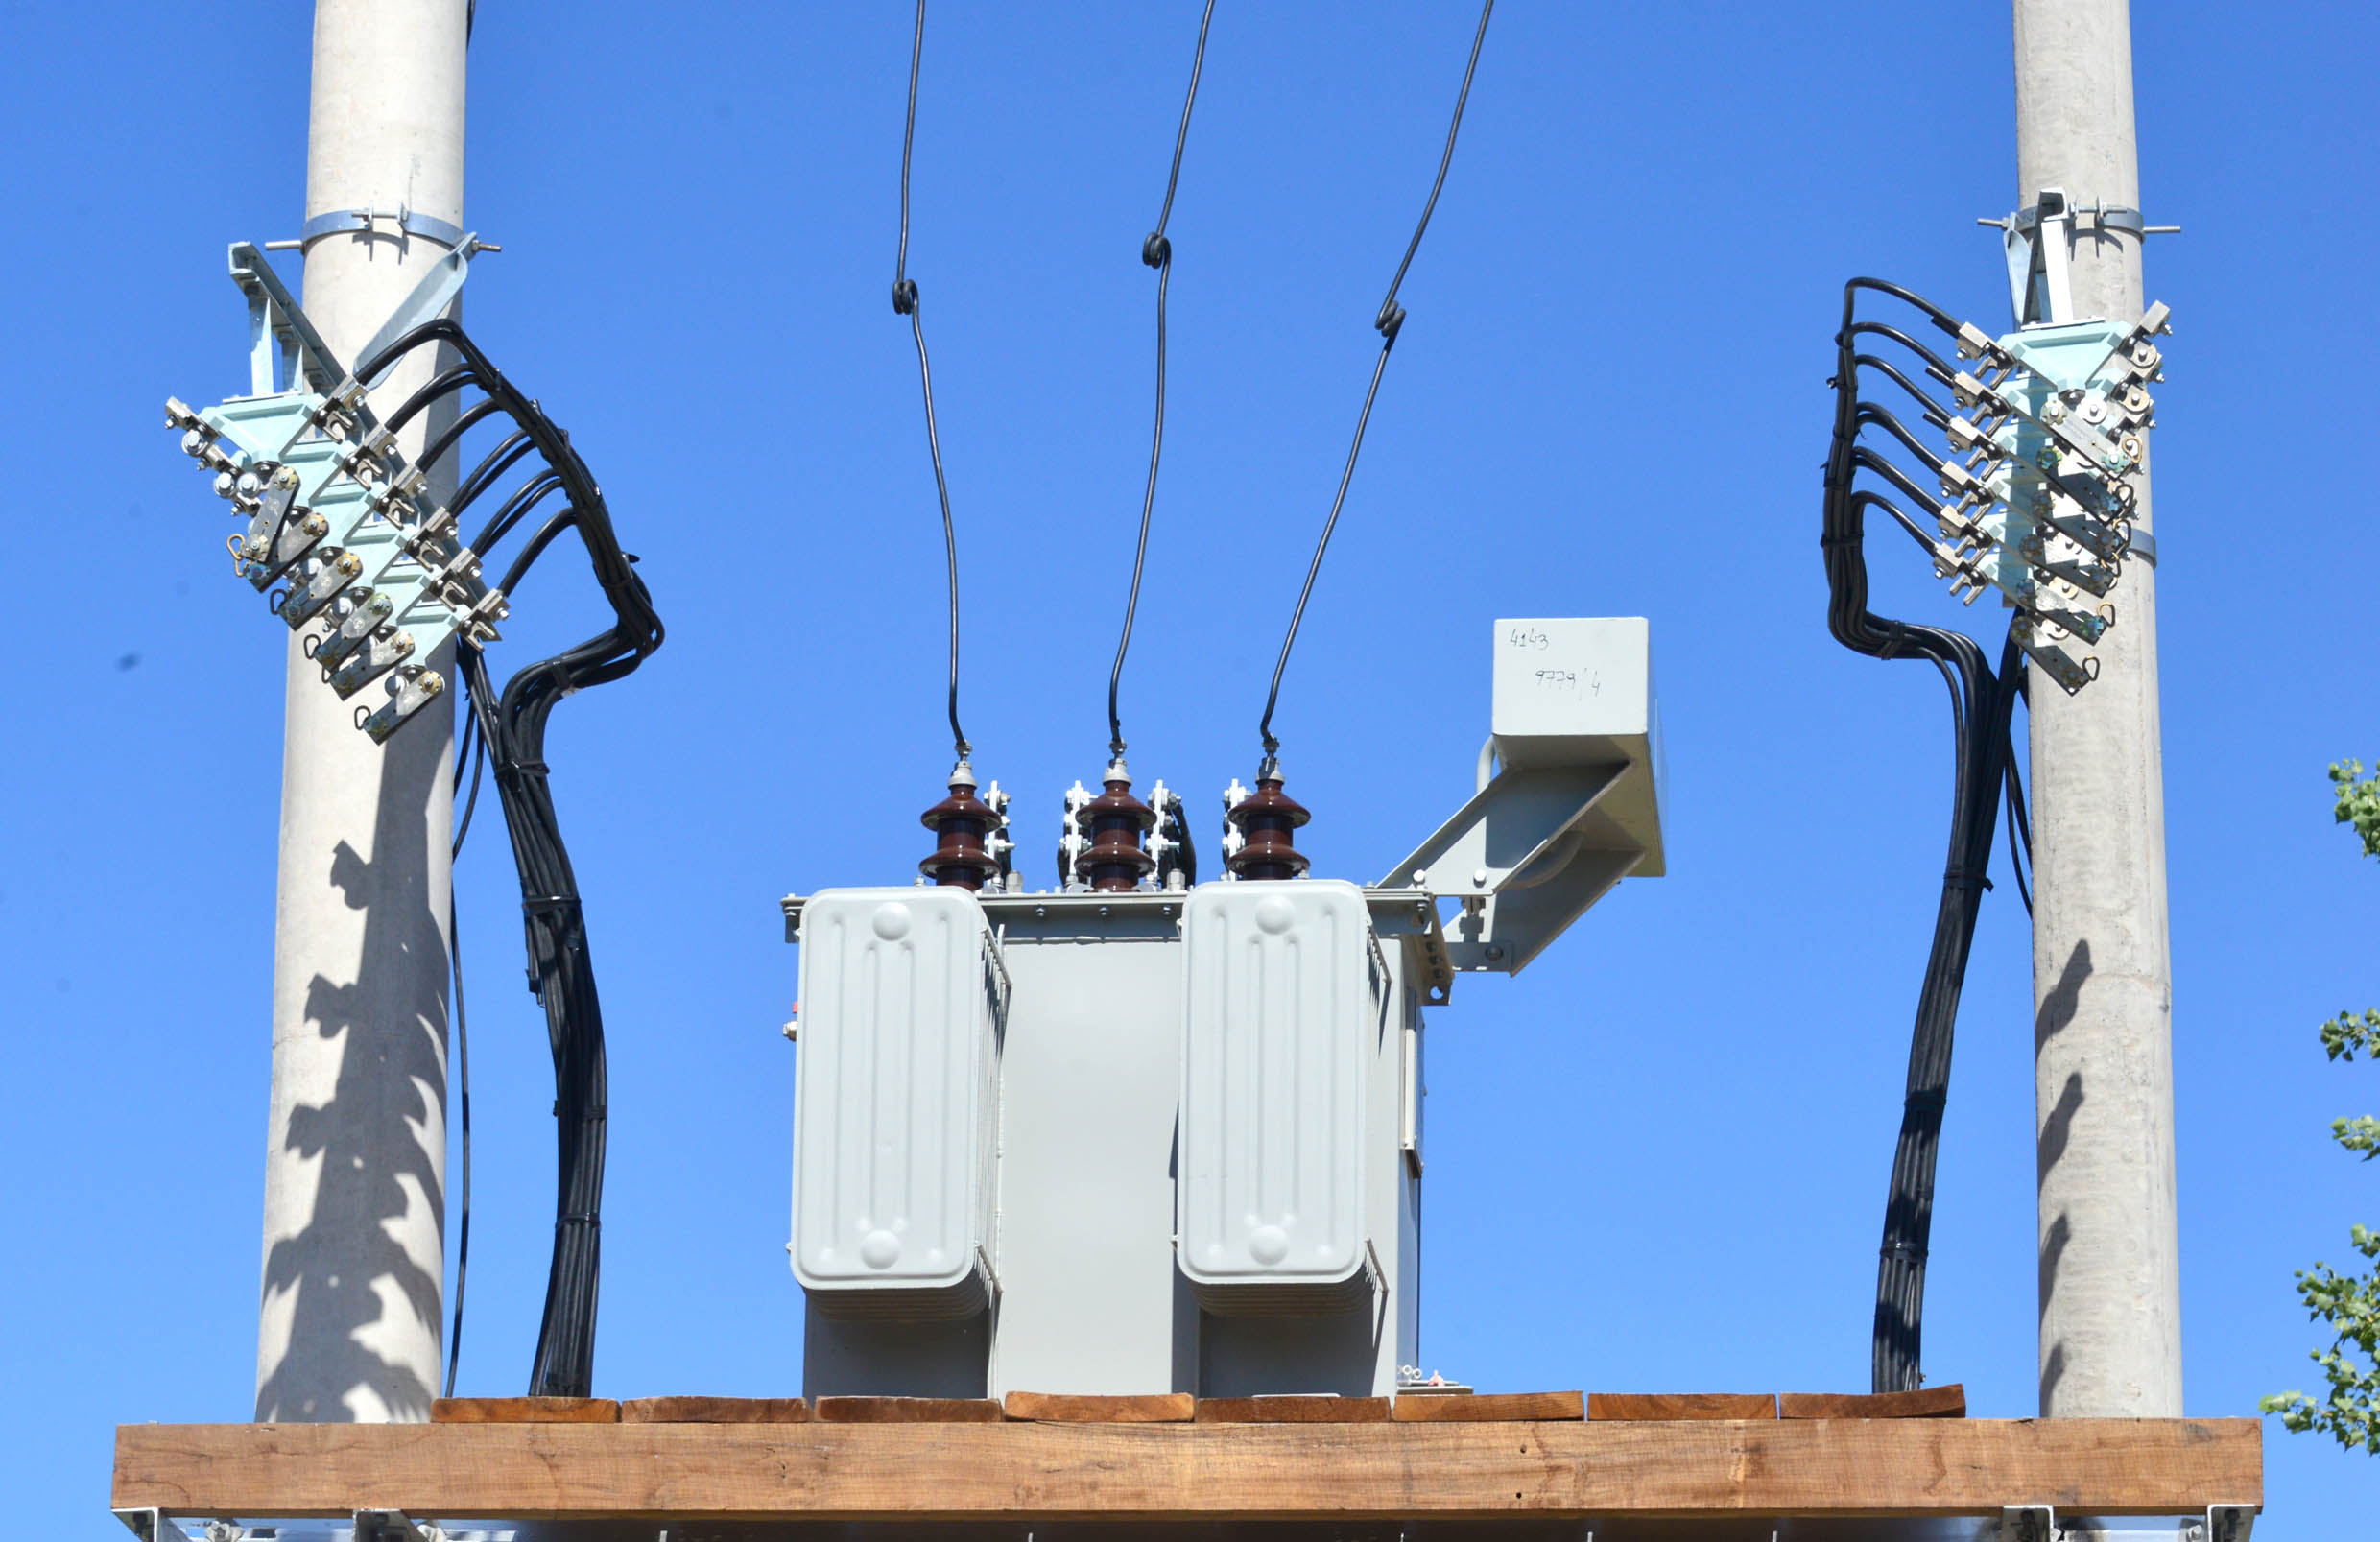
2041,291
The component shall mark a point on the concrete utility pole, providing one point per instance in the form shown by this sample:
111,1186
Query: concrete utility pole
355,1168
2101,967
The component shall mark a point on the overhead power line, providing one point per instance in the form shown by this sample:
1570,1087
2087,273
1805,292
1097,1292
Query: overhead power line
1158,253
905,304
1389,322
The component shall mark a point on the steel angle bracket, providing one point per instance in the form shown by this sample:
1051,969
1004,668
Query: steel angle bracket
151,1524
2229,1522
2027,1523
1517,861
279,332
1409,916
392,1526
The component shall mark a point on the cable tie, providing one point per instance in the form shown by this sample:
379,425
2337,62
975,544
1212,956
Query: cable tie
536,903
1965,878
1157,252
904,297
1933,1098
582,1217
1909,1251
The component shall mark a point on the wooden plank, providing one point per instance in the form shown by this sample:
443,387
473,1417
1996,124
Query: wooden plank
714,1411
1067,1408
1946,1402
1293,1409
908,1410
525,1411
1012,1472
1485,1408
1663,1406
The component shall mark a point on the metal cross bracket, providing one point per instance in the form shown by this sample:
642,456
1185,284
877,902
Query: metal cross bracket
2040,286
336,515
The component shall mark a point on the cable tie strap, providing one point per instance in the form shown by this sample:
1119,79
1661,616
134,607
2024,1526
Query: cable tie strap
1965,878
580,1216
1927,1098
540,904
1157,252
904,297
517,768
1908,1252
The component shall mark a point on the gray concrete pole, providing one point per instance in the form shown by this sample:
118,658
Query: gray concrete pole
2103,985
355,1170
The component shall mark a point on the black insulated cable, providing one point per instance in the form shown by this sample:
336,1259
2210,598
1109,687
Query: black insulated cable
1158,253
1388,323
905,304
1981,702
510,728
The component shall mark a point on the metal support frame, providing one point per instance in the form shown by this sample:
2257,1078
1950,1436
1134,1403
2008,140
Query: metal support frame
333,513
2040,271
1518,858
2038,1523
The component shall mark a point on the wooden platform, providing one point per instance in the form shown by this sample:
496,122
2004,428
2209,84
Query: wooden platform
1187,1471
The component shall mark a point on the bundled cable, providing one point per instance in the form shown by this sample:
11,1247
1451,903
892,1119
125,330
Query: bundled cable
511,726
1981,699
1388,321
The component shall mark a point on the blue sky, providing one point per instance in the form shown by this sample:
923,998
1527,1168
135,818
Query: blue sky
1659,1158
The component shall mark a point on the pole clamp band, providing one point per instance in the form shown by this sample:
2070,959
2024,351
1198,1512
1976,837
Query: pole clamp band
365,222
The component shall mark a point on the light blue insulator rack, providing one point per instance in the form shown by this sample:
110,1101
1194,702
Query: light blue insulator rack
337,529
2042,501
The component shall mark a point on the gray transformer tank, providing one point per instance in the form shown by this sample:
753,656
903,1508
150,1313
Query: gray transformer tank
1170,1141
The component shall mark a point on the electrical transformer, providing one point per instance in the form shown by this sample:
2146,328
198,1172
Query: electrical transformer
1168,1138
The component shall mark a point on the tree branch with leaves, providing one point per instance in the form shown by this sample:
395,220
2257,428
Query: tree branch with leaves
2349,1303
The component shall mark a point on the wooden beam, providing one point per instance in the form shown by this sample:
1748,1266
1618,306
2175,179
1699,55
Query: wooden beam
1292,1407
1483,1408
1069,1408
1947,1401
1192,1472
1682,1405
524,1411
714,1411
908,1410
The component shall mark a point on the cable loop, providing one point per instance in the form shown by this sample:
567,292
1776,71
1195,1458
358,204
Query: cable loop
1157,252
1391,317
904,297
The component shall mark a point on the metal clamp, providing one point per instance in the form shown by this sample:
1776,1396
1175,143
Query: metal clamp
2039,289
364,222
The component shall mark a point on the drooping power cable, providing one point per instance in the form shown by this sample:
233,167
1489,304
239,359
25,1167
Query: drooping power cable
905,304
1388,323
1155,252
